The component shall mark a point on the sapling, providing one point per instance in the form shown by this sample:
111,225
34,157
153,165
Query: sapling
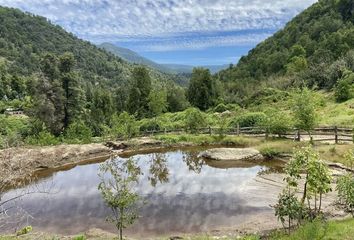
118,179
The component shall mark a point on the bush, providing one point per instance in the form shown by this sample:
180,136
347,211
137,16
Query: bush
275,122
270,153
24,231
125,126
251,119
149,125
43,138
194,119
345,188
78,132
344,88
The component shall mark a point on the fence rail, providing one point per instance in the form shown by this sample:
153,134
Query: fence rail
325,133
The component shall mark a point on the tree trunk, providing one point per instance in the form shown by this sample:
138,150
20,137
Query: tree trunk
305,190
319,208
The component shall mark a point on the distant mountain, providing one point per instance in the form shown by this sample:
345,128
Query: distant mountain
134,57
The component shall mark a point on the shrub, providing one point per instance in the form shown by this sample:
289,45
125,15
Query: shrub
220,108
194,119
275,122
24,231
78,132
149,125
270,153
248,120
345,188
43,138
125,126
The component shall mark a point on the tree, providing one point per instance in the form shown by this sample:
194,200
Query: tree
48,104
317,179
139,92
157,102
304,110
101,110
117,191
201,90
74,96
176,99
344,88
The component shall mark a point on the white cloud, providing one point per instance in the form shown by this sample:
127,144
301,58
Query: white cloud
120,18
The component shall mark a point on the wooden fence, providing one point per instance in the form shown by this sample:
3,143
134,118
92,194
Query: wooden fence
332,133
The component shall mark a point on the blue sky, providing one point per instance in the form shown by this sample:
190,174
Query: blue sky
193,32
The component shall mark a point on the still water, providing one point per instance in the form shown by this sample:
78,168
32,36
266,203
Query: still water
183,193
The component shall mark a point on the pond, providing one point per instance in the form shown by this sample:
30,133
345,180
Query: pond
184,195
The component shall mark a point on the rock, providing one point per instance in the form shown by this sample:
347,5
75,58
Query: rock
116,145
175,238
232,154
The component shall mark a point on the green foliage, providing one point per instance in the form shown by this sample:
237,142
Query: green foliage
78,132
345,188
117,191
275,122
288,208
317,181
250,119
24,231
43,138
270,152
139,93
157,101
304,108
124,126
149,125
79,237
201,90
194,119
344,88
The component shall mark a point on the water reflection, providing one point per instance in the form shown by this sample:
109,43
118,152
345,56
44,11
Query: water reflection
183,194
158,169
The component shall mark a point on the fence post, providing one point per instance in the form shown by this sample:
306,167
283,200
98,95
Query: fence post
165,131
336,134
238,129
298,136
209,130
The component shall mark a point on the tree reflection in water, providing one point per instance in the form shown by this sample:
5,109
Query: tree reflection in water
193,162
158,169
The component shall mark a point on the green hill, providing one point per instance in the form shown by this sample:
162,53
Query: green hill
25,38
315,48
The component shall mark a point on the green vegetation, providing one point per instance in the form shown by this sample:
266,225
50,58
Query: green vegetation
314,49
307,166
117,191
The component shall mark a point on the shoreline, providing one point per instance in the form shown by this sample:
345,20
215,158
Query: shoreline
63,157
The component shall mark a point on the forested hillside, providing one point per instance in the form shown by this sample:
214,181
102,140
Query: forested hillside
315,48
59,80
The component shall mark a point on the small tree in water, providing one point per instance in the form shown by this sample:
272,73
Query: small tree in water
118,178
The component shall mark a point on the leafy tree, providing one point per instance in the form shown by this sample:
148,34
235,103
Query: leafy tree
304,109
157,102
139,92
201,90
117,190
101,110
73,94
317,178
48,104
176,99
